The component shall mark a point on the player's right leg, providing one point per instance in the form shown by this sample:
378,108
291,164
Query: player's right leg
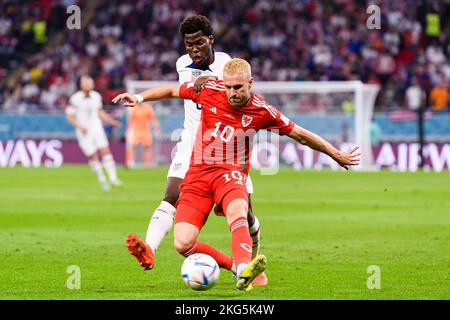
140,250
159,226
189,222
148,155
129,156
89,148
108,163
162,218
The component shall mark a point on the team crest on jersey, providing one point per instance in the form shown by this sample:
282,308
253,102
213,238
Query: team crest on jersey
196,73
246,120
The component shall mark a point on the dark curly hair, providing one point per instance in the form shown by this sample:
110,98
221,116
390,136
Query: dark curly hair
195,24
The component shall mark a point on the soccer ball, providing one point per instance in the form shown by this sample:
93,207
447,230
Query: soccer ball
200,271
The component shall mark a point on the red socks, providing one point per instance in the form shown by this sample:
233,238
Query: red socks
241,242
241,246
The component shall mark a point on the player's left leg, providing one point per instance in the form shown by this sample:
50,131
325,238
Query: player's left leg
110,166
247,270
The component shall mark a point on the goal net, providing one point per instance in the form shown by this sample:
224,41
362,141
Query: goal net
339,111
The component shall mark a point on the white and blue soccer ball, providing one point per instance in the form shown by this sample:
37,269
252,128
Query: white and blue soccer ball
200,271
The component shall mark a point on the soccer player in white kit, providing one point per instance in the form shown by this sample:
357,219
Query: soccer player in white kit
85,113
201,64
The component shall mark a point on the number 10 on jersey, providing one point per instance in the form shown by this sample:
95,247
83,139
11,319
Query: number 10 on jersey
225,135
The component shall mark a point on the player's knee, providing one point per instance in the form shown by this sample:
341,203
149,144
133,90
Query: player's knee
237,208
184,238
182,245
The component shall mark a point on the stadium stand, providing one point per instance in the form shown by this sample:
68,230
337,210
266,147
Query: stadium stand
284,40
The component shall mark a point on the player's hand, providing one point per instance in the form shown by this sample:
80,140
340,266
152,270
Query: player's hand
199,84
131,100
349,158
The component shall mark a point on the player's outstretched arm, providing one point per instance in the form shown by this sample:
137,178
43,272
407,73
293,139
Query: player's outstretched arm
154,94
314,141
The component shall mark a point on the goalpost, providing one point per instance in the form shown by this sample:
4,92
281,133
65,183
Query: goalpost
359,96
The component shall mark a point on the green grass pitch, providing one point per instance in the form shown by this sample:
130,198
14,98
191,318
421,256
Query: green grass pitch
320,232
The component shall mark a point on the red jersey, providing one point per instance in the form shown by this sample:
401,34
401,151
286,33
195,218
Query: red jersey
225,134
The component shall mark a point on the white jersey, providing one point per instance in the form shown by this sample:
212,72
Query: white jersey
85,109
188,71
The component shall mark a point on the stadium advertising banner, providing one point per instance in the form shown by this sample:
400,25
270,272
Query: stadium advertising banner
47,153
394,156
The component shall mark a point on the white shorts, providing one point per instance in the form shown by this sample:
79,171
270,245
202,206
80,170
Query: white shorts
92,141
181,160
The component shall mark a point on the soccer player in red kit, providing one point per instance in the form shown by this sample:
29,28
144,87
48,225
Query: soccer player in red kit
220,162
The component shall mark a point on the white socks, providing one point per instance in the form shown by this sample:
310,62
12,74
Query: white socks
160,224
97,168
254,233
110,167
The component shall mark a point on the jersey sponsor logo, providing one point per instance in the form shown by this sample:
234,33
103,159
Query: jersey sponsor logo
246,120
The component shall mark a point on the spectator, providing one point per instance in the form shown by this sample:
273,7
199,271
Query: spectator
284,40
414,95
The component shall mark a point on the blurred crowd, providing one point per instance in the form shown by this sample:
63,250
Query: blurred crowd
292,40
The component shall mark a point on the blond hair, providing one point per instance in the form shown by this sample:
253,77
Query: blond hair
237,65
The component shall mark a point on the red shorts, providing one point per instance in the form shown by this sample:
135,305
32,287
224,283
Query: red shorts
205,186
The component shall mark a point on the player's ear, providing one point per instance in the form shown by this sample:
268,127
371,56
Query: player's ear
250,83
211,39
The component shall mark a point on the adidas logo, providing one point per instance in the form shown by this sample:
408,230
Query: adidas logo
213,109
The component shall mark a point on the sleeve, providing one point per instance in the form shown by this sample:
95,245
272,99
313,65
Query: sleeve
275,120
187,92
70,109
